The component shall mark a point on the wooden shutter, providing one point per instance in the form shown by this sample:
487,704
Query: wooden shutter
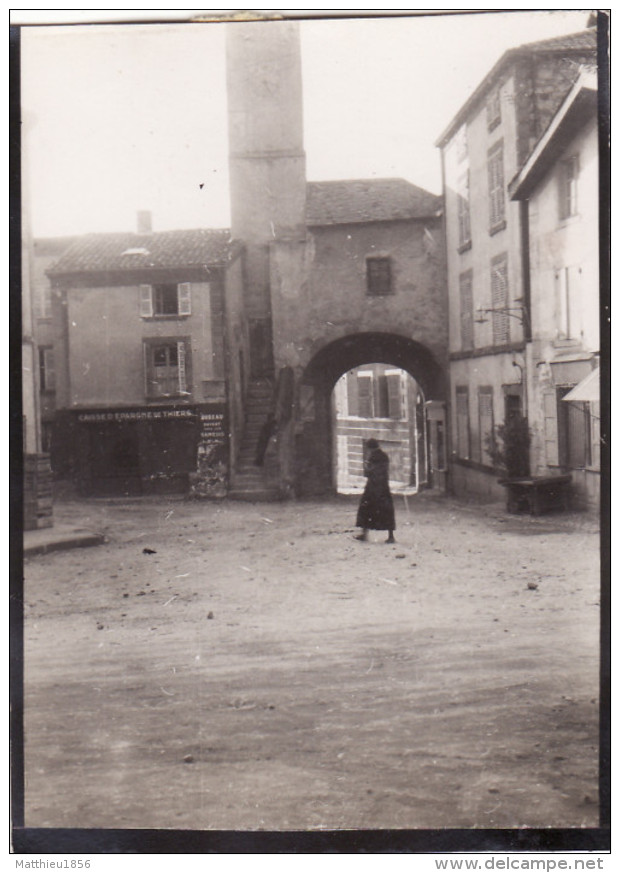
463,210
147,368
50,372
181,367
364,395
352,405
499,300
496,186
485,420
146,301
394,399
551,428
184,292
462,422
467,311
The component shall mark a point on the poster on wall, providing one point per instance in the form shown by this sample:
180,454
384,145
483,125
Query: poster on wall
211,477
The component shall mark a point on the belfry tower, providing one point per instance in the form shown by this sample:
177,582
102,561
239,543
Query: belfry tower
267,162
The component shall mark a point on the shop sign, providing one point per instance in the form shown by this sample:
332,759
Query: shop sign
167,414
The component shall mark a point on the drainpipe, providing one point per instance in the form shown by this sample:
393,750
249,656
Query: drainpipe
525,268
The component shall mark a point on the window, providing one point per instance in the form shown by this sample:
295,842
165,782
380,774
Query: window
165,300
378,277
45,300
463,212
467,310
499,300
567,280
462,422
167,367
497,196
47,374
574,433
379,395
494,109
485,422
568,187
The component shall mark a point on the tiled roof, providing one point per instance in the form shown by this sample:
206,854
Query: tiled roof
114,252
363,200
583,42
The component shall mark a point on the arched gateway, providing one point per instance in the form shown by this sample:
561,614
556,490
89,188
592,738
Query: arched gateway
313,461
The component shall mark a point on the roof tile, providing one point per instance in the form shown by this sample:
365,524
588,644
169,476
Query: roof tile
97,252
364,200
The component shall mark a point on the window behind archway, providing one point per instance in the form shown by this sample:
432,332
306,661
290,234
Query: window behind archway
384,402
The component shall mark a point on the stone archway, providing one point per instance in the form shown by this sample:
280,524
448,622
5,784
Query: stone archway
313,442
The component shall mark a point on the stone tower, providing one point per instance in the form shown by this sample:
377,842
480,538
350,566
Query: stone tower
267,161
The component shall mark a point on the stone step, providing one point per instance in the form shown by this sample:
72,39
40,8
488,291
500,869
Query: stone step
255,496
248,479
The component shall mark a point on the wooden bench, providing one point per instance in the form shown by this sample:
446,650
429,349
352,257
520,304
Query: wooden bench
537,494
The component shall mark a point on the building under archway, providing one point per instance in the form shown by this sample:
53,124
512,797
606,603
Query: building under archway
315,436
387,404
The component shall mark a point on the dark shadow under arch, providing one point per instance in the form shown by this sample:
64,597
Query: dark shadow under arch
344,354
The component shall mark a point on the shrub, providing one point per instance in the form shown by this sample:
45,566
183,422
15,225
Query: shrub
509,447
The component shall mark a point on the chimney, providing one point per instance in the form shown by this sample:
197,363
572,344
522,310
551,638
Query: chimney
144,221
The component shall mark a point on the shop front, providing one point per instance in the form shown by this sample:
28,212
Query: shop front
154,450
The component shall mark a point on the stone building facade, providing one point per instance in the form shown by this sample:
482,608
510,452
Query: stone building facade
380,402
337,274
490,316
145,325
560,185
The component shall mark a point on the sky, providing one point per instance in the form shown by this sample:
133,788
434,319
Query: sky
120,118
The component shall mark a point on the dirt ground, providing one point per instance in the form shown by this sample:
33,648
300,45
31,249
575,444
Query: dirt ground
260,669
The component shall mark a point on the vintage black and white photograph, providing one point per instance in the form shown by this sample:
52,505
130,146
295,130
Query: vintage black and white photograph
312,442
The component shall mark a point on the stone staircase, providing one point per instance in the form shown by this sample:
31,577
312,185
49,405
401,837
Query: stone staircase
249,482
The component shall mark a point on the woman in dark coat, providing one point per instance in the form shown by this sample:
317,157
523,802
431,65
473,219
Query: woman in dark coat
376,509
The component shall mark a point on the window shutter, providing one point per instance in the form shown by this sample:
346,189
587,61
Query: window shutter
146,301
50,373
462,422
463,210
394,402
485,415
496,187
551,428
467,311
499,300
181,368
184,292
147,368
352,406
364,394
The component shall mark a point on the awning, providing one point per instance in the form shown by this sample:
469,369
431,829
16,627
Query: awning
587,391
